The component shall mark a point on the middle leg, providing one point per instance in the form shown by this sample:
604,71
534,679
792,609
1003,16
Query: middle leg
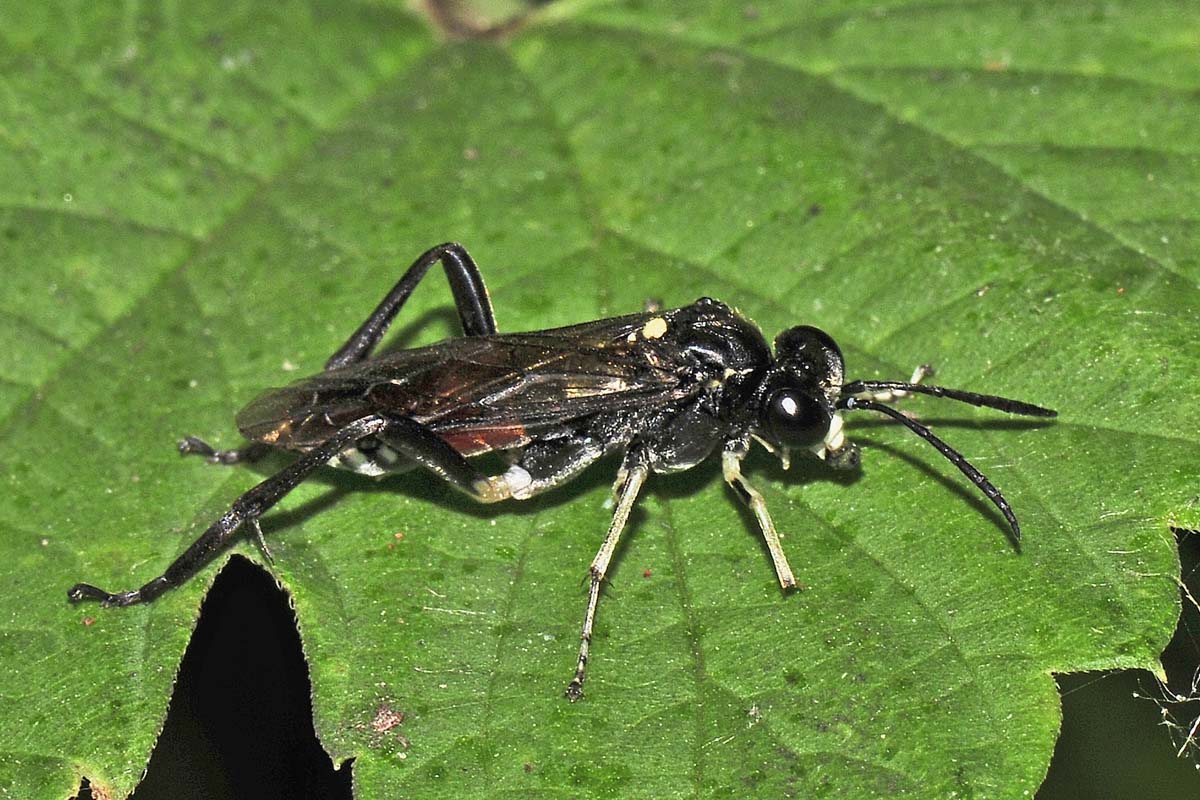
634,471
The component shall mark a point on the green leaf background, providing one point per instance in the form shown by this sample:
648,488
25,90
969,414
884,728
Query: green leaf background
200,201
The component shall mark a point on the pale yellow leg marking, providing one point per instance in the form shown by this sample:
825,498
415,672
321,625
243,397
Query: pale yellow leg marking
892,395
627,491
731,466
492,489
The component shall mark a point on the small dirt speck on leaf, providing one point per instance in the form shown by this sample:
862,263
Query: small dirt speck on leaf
386,718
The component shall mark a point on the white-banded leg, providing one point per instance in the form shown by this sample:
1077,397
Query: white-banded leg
248,454
731,466
544,465
629,482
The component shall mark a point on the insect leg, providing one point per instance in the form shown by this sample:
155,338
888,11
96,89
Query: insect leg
245,511
243,455
539,468
422,446
549,464
635,471
731,466
470,296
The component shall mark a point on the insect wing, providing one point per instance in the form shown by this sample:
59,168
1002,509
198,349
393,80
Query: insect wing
484,392
304,414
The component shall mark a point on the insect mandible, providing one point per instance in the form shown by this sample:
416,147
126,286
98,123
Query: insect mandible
666,388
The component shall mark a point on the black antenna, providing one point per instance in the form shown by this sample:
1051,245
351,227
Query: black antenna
956,458
985,400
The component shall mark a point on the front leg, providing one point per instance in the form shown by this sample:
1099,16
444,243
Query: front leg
731,466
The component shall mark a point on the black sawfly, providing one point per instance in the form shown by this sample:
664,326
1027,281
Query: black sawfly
666,388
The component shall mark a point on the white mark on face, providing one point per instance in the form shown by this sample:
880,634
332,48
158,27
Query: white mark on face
835,439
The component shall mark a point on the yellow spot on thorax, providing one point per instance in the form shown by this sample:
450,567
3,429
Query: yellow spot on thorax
655,328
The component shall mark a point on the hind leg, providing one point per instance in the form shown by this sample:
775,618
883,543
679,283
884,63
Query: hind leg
470,297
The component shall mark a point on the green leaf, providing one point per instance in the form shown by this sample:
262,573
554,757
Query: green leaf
201,203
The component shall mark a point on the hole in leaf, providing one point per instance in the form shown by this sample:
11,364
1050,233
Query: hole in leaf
240,721
1113,744
86,792
1116,744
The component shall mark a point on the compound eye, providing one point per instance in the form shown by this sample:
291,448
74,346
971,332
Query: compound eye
806,339
797,420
